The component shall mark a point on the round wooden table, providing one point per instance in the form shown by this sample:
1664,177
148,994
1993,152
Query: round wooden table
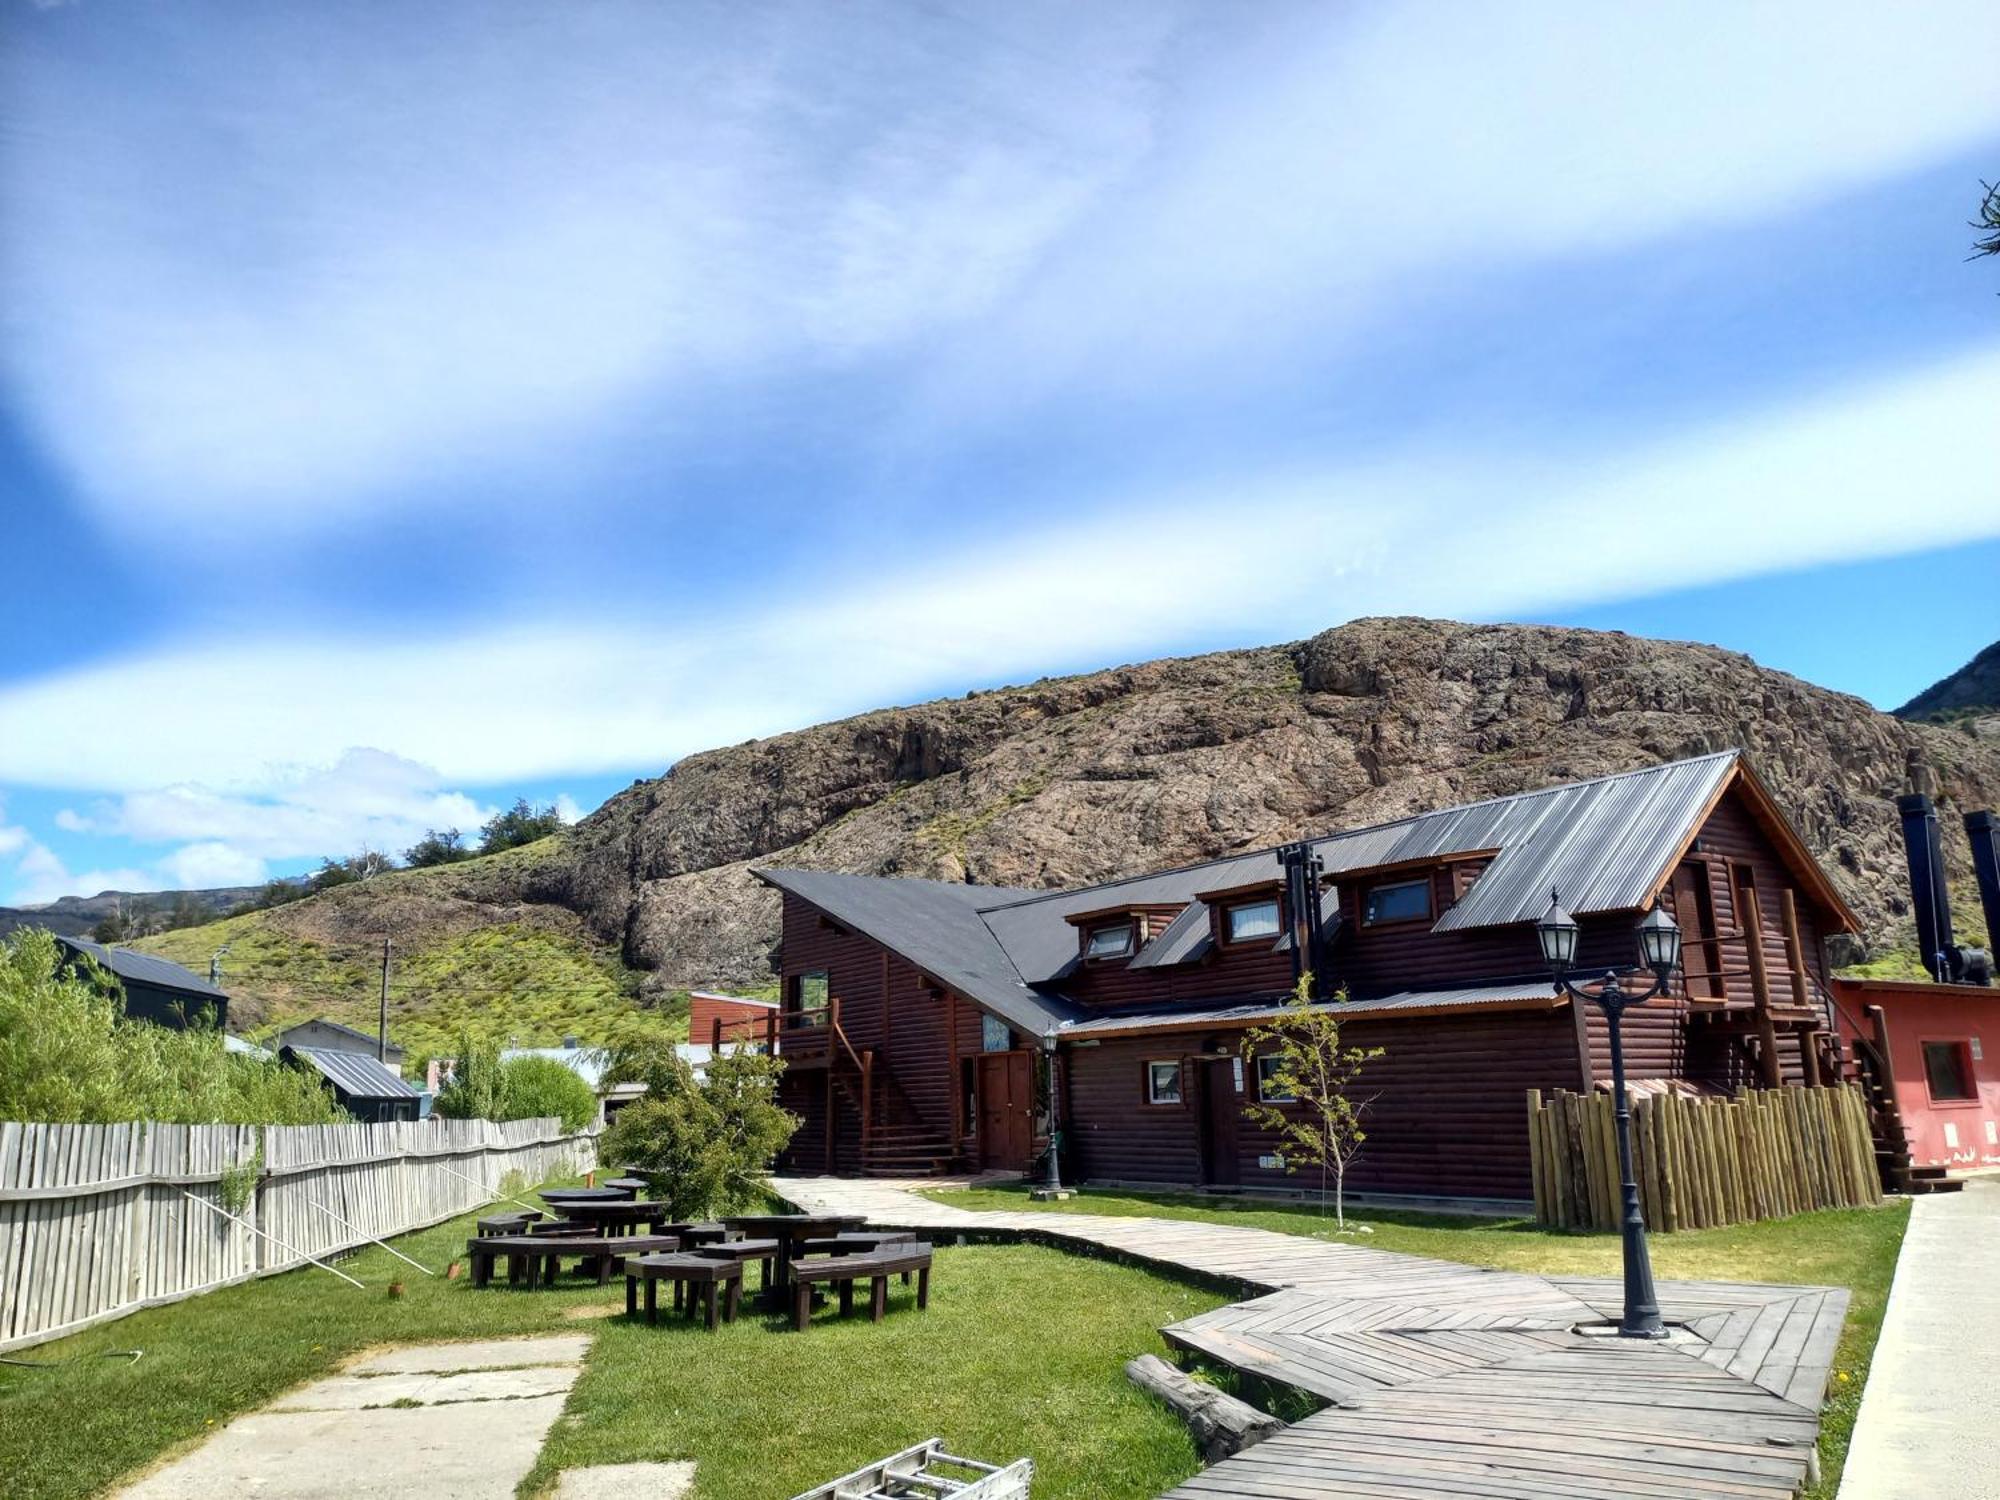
616,1215
788,1230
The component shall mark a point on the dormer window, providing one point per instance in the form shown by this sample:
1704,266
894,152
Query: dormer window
1109,940
1403,901
1248,921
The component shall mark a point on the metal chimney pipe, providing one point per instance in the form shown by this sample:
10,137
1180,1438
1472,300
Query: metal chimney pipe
1983,829
1303,873
1928,899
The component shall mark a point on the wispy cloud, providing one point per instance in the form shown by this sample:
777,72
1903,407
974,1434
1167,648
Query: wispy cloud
320,256
1303,551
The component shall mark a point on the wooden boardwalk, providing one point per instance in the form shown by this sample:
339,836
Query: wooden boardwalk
1444,1379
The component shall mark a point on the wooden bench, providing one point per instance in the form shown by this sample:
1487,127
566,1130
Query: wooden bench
859,1242
741,1253
516,1222
873,1266
687,1273
536,1259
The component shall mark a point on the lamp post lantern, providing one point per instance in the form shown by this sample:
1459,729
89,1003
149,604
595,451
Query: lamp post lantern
1659,951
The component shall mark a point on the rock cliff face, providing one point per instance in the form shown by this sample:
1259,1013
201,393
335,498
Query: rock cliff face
1969,699
1086,778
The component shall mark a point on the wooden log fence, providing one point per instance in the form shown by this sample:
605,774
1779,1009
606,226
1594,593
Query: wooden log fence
1702,1162
94,1223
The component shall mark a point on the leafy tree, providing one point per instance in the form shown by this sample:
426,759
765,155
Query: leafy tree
69,1055
518,825
538,1086
1306,1100
436,848
356,867
703,1146
1988,222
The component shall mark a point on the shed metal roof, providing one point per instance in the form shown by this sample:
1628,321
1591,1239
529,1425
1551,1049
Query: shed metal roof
143,968
354,1075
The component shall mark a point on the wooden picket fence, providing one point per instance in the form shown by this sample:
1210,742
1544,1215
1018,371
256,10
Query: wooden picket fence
1702,1162
95,1221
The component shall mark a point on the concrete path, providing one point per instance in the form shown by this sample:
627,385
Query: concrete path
1449,1379
1928,1425
465,1420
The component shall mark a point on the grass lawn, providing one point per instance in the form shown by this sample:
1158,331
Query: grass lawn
1854,1248
1021,1351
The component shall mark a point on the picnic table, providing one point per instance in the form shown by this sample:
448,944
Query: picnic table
611,1216
536,1259
742,1252
631,1187
555,1197
688,1273
789,1230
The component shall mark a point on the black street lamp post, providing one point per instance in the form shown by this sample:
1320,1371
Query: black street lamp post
1659,951
1054,1184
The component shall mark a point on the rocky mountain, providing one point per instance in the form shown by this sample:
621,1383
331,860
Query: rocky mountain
1078,779
75,916
1084,778
1969,699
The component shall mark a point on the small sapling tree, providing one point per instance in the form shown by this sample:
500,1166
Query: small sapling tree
1306,1098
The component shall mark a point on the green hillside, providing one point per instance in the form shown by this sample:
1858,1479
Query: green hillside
468,947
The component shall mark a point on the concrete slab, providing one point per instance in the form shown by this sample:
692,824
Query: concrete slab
1926,1425
476,1354
474,1450
353,1392
627,1482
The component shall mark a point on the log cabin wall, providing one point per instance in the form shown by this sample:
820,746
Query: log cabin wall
1447,1116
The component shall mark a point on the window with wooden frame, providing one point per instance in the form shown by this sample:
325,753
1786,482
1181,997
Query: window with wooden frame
1948,1073
1163,1082
1108,940
1398,901
1268,1091
1250,921
809,997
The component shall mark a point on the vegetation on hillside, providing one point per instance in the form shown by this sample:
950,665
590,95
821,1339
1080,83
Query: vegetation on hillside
467,952
69,1056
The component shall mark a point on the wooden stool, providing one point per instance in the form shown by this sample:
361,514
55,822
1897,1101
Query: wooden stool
720,1283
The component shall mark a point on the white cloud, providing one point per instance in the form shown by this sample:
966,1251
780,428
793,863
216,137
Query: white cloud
211,863
39,876
271,294
567,808
1898,465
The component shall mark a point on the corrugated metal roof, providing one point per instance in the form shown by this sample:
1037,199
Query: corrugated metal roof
143,968
354,1075
1604,843
1245,1014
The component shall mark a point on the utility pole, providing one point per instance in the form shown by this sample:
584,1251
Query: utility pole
382,1027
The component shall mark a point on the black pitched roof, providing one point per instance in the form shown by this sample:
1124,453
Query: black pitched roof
144,968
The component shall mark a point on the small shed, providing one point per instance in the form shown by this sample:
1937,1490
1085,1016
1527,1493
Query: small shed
361,1085
322,1035
156,989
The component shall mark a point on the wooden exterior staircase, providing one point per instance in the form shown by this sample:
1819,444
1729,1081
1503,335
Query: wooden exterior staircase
894,1139
1868,1063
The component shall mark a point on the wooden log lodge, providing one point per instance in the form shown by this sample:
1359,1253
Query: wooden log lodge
929,1026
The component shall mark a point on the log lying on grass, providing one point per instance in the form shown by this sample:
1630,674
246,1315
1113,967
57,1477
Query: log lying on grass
1220,1424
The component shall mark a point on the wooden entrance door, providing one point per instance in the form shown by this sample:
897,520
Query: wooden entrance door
1220,1110
1006,1108
1694,910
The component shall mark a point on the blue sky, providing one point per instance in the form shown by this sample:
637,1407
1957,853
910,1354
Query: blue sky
402,407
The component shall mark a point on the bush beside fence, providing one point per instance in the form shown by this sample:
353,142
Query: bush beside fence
1702,1162
95,1222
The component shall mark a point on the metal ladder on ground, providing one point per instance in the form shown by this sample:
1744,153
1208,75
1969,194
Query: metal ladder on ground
919,1474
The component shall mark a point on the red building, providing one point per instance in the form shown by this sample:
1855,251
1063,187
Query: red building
714,1019
925,1024
1940,1044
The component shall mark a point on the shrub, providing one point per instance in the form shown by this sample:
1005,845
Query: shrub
518,825
70,1056
478,1087
537,1086
703,1146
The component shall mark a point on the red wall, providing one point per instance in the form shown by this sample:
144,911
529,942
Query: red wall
1916,1013
742,1020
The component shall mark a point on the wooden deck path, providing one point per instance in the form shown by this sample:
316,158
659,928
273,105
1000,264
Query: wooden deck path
1450,1380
